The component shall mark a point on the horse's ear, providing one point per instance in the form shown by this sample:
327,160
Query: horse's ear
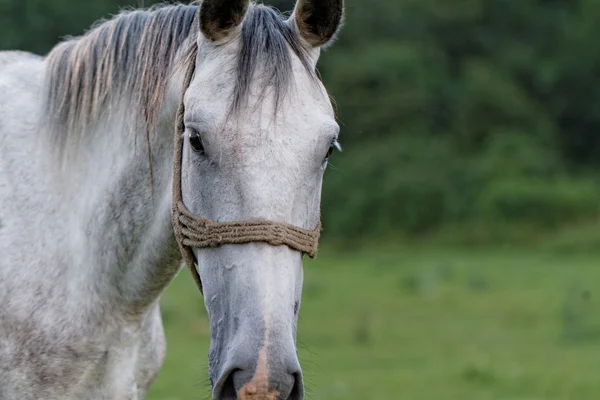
318,20
219,18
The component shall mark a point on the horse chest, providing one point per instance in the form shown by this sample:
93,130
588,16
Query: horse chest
120,363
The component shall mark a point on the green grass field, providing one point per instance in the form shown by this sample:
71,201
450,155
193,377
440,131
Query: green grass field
423,324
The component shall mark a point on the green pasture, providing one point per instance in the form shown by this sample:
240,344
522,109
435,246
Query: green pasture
424,323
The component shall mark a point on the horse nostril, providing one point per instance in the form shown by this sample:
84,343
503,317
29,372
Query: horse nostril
228,389
298,388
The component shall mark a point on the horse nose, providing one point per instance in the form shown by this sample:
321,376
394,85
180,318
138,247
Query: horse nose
268,380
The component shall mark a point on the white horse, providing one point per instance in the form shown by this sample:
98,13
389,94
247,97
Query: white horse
86,153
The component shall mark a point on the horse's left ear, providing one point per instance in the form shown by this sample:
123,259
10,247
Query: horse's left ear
219,18
318,20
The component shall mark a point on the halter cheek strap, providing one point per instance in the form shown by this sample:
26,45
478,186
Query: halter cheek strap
195,232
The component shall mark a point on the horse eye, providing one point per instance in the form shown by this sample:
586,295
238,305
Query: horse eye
329,152
196,142
335,145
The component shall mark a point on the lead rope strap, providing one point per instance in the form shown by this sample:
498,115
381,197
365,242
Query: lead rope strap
192,231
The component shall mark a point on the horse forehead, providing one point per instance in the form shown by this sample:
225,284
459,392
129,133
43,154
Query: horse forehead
212,87
302,114
291,127
208,96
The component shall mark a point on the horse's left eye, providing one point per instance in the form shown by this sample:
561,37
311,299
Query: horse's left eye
329,152
335,145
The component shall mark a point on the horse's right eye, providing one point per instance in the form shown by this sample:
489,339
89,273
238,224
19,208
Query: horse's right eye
196,141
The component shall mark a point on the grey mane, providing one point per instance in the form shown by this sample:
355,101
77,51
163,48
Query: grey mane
126,62
126,59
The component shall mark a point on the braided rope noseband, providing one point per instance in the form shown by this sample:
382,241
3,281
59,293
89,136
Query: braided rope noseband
192,231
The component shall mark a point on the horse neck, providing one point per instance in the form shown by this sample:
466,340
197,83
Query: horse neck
123,203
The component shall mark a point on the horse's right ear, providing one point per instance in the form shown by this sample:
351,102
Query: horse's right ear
220,18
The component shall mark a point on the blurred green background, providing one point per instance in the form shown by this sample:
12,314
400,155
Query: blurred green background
460,257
